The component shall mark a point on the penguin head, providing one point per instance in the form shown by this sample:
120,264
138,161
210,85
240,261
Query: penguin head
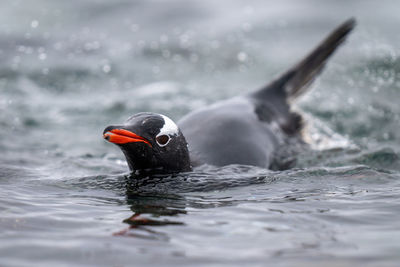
151,143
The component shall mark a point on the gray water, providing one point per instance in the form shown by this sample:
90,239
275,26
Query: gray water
69,68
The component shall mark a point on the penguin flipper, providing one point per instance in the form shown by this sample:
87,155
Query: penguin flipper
296,80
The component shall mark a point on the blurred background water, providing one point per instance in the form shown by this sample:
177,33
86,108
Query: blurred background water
69,68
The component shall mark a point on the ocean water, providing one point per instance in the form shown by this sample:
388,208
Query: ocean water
70,68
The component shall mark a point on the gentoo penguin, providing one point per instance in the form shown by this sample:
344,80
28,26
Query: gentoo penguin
250,129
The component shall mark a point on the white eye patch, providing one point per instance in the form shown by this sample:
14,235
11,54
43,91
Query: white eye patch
163,140
169,128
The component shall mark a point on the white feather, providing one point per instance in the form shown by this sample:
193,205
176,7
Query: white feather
169,128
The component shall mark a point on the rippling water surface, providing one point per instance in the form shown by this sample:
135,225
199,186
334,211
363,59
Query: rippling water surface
70,68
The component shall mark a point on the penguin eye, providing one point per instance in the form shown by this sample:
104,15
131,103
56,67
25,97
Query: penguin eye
162,140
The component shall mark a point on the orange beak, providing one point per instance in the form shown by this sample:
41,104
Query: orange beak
121,136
